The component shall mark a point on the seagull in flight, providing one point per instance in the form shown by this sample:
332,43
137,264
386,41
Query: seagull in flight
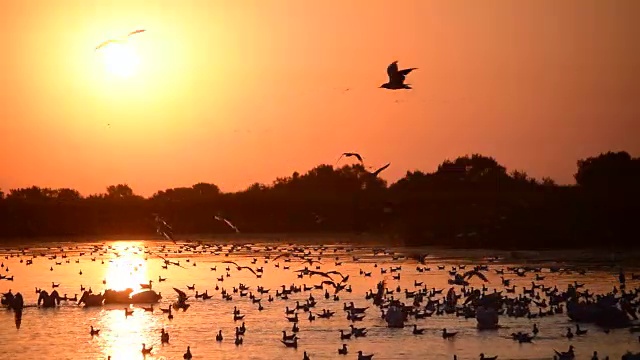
111,41
350,154
220,218
396,77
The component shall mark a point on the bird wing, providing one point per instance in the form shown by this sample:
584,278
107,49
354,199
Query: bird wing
136,32
181,293
469,274
375,173
481,276
281,255
335,272
106,43
311,273
329,283
231,262
219,218
250,269
392,70
406,71
358,156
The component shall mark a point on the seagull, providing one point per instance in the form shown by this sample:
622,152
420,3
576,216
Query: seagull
220,218
396,77
163,228
350,154
111,41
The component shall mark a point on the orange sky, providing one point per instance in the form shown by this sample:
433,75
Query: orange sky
235,92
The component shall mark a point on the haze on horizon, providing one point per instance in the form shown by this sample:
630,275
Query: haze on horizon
237,92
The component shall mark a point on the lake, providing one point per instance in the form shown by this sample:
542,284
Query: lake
63,333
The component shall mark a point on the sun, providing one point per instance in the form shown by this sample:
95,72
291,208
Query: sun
120,59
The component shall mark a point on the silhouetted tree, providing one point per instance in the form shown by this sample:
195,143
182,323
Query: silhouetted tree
609,171
120,191
471,201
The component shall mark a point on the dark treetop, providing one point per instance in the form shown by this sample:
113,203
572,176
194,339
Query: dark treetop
472,202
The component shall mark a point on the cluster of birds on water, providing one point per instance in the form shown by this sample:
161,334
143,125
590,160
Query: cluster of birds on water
420,302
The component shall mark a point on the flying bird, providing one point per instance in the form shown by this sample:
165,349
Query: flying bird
469,274
375,173
163,228
350,154
111,41
220,218
240,267
396,77
311,273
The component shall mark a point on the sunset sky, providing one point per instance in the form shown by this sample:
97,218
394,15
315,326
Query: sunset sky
236,92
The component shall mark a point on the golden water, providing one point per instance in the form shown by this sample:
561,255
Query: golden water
63,333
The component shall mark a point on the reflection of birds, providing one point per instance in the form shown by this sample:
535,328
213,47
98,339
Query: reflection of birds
111,41
350,154
220,218
375,173
396,77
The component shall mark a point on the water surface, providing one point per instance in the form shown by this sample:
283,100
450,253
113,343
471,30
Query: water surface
63,333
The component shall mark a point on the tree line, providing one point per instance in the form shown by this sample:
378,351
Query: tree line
471,201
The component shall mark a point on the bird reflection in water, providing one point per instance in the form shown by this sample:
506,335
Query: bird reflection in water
18,318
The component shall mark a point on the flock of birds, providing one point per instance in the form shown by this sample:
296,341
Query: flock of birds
311,262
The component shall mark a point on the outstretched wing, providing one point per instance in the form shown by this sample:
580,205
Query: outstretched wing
358,156
281,255
406,71
181,293
469,274
329,283
136,32
311,273
375,173
231,225
106,43
392,70
231,262
250,269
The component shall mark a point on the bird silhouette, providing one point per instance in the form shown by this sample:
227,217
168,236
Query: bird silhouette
396,77
350,154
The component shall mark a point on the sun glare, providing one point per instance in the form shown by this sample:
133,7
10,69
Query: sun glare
129,270
120,59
